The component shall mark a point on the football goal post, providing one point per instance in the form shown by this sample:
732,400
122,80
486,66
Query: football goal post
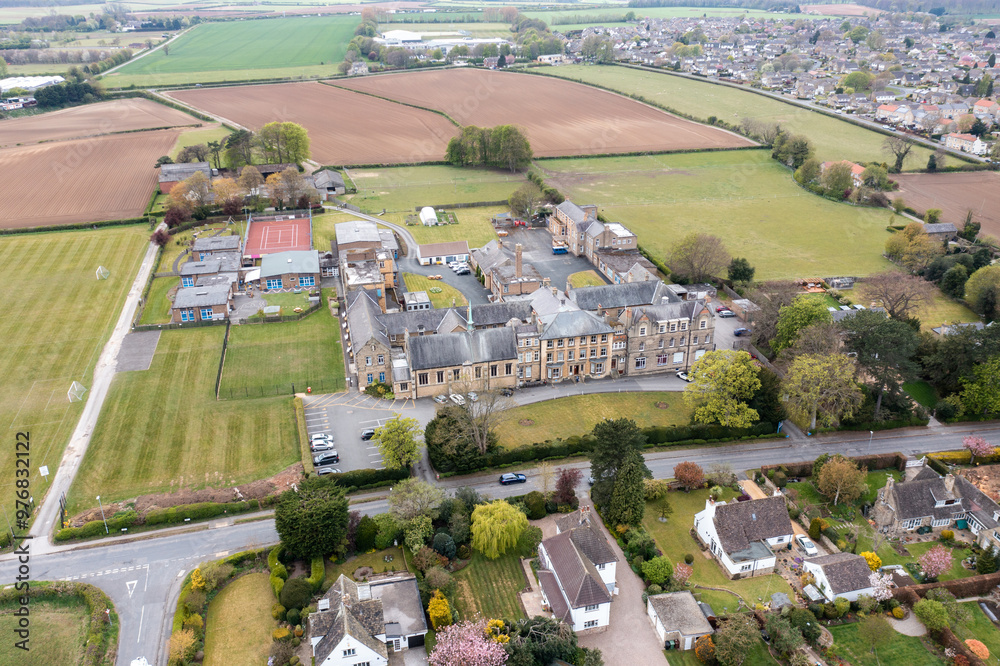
102,273
76,392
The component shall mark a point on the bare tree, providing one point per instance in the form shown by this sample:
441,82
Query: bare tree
477,421
699,257
820,338
899,147
900,294
770,297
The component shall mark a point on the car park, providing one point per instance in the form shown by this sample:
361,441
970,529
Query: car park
367,434
807,546
726,314
473,396
684,376
741,331
508,479
457,399
326,458
440,399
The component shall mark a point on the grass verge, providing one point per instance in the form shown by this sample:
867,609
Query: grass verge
157,308
586,279
59,624
448,297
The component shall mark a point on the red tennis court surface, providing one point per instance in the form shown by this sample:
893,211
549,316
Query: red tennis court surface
271,236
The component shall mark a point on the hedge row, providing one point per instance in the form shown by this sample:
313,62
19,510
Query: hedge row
96,527
279,574
361,479
872,462
102,625
74,227
300,425
962,588
317,572
912,421
963,457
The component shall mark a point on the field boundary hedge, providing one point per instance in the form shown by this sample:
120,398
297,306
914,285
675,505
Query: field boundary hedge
394,101
74,227
101,645
303,434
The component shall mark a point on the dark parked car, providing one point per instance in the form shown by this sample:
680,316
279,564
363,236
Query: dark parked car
508,479
326,458
506,392
741,331
367,434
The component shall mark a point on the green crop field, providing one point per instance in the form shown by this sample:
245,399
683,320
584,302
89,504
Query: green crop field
63,626
194,137
270,358
57,317
833,139
242,50
744,197
162,430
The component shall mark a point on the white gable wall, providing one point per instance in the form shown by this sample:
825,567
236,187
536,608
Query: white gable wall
704,524
361,654
687,642
823,584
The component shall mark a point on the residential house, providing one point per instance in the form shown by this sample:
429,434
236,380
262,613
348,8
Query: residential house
577,574
743,535
840,575
211,299
856,171
941,231
986,107
357,623
677,619
477,360
966,143
442,253
576,344
663,338
205,248
171,174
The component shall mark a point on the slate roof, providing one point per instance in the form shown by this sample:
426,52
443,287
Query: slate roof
916,499
357,231
546,304
572,211
629,294
207,267
491,255
216,244
507,273
846,572
679,310
293,261
451,349
577,575
170,173
572,324
496,314
678,611
940,228
739,524
362,319
624,261
202,296
442,249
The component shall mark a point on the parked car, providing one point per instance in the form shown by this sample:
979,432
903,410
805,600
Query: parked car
326,458
508,479
726,314
317,447
506,392
440,399
684,376
462,271
806,544
457,399
367,434
721,308
741,331
322,471
320,437
473,396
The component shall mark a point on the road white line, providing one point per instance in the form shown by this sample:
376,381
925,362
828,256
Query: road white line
141,615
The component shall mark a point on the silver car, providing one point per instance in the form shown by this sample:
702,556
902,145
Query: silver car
807,546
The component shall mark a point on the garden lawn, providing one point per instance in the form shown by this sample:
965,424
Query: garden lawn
490,588
578,414
288,301
922,392
196,136
908,650
56,319
270,358
57,632
943,310
674,539
239,623
758,655
586,279
374,560
981,628
324,228
449,296
162,430
157,308
833,139
242,50
744,197
473,226
958,554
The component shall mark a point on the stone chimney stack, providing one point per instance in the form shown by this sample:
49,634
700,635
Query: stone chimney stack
949,483
546,281
517,261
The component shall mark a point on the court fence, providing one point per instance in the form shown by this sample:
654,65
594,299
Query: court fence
321,385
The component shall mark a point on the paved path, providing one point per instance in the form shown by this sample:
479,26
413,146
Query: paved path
104,372
911,626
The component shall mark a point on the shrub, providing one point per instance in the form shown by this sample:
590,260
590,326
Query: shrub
364,537
830,611
295,594
317,572
278,611
654,589
535,503
657,570
898,612
688,558
464,552
947,535
439,611
873,560
195,623
977,648
425,558
281,634
842,605
794,513
780,479
704,649
816,528
932,614
655,489
527,542
292,617
444,545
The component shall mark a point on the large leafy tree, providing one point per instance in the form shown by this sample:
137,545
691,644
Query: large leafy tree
698,256
735,639
723,382
496,527
628,497
840,479
312,520
397,441
981,392
822,387
950,358
884,348
412,497
539,640
612,439
982,291
767,400
899,293
793,318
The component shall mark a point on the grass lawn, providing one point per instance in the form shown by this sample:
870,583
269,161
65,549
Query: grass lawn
404,189
490,588
833,139
473,226
578,414
743,197
61,628
586,279
980,628
943,310
54,325
157,310
161,430
448,296
288,301
239,622
196,136
922,392
324,228
374,560
958,554
909,650
758,655
241,50
269,358
675,540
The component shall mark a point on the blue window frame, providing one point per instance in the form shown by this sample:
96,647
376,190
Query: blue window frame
187,314
201,256
274,284
381,377
369,378
206,313
307,281
187,281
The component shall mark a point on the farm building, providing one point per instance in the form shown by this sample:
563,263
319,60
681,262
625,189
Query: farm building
171,174
296,269
442,253
29,82
428,217
211,300
328,184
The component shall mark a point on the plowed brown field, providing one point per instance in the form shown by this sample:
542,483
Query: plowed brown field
90,120
560,117
82,180
344,127
955,194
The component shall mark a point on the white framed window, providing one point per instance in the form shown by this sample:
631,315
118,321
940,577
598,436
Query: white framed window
350,652
590,609
307,281
640,362
703,323
941,522
698,354
912,523
381,359
678,357
536,355
590,624
642,346
746,567
662,359
368,360
206,313
618,345
527,372
642,330
601,567
597,368
694,340
663,328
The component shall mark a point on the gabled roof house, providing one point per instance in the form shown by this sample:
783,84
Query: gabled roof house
743,535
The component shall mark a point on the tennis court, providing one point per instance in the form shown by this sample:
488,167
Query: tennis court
279,234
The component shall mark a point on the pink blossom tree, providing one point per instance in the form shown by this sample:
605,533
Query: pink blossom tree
978,446
881,585
467,644
935,561
681,573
